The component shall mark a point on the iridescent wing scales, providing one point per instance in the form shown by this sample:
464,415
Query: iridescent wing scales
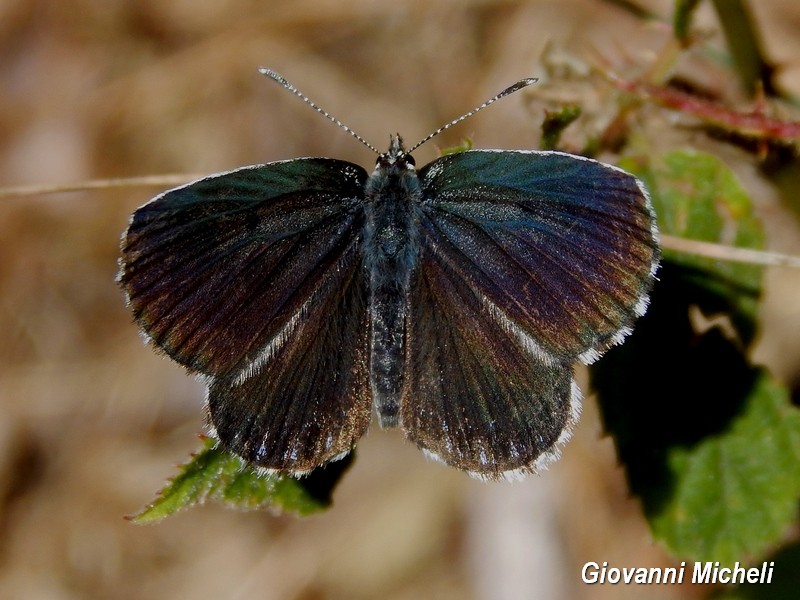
531,261
253,279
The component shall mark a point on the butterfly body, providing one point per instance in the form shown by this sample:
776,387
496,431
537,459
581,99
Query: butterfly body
455,300
392,199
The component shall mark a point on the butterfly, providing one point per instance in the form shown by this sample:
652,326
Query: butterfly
454,299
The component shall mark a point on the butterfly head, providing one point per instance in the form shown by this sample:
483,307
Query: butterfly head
396,159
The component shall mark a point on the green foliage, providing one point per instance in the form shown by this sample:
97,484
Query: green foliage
744,45
697,197
710,442
217,475
735,492
554,124
682,18
466,144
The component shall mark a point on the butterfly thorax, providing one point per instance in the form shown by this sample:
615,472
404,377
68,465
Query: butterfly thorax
391,246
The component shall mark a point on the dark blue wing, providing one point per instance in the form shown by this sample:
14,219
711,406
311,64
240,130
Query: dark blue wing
254,279
561,249
218,268
474,396
529,261
307,400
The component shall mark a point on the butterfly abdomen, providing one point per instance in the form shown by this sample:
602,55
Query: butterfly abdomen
391,247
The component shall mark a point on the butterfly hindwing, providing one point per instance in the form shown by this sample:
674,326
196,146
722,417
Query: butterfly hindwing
558,247
307,400
474,396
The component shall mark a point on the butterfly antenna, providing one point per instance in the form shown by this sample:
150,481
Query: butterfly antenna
509,90
279,78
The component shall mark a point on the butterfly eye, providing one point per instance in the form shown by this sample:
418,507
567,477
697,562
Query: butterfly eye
409,160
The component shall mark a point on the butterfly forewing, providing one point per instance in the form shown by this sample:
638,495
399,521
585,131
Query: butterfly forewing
254,279
216,269
559,249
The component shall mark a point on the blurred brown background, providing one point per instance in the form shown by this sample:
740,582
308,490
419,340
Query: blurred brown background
92,421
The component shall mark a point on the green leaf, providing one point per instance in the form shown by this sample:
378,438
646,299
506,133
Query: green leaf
736,492
696,196
709,442
214,474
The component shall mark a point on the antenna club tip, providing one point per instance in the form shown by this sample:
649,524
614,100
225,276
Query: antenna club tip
271,74
522,83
